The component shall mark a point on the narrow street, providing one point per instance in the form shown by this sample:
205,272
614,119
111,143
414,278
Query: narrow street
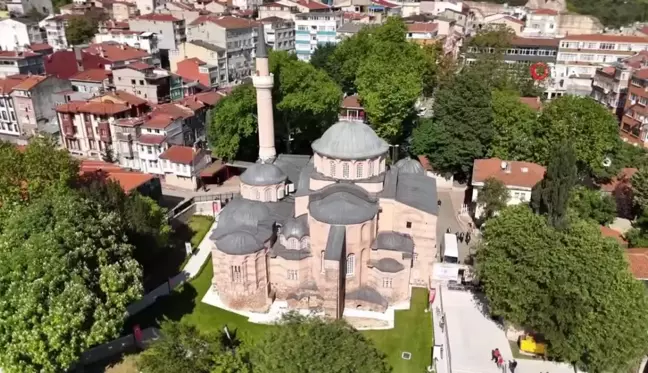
448,219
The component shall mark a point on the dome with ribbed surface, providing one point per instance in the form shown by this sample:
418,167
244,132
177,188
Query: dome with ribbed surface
260,174
295,227
410,166
350,140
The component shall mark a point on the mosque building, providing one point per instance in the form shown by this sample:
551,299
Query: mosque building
338,229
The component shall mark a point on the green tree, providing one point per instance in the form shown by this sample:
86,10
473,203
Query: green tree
562,282
493,196
551,195
322,58
232,131
80,30
349,55
308,345
514,124
640,187
591,204
461,129
591,130
306,102
182,348
66,277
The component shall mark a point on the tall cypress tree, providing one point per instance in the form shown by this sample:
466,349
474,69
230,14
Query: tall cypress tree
551,195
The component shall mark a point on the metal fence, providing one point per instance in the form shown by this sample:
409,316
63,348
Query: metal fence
183,206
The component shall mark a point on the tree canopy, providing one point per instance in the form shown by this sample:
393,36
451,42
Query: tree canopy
514,124
66,277
313,345
564,284
80,30
592,204
306,102
493,196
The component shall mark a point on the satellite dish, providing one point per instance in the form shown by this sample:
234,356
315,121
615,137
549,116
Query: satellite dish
607,162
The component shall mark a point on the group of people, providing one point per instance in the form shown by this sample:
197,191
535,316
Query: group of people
496,357
461,236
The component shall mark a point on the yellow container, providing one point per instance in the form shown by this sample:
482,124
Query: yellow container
529,345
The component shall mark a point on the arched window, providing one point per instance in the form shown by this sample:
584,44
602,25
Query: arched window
257,194
294,244
268,194
305,243
359,170
371,168
345,170
350,265
280,192
322,260
332,166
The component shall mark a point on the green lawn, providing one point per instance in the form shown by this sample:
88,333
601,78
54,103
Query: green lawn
199,226
412,333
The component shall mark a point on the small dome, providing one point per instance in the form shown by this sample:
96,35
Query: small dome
261,174
410,166
295,227
350,140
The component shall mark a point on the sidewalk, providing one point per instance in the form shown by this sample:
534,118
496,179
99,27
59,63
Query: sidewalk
190,270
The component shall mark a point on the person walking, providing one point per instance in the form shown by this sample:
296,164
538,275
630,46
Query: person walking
500,361
467,237
493,356
461,236
512,365
448,230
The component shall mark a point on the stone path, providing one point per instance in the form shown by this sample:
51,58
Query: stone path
447,218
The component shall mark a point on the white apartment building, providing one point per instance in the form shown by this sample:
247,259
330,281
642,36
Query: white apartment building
580,55
136,39
22,7
55,28
518,177
313,29
541,23
279,33
182,165
18,32
610,83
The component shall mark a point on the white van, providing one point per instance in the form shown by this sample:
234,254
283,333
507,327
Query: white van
450,249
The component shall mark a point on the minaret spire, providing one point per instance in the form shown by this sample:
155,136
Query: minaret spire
263,82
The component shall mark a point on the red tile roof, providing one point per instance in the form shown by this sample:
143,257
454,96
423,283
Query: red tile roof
17,55
115,52
29,83
91,75
513,19
351,102
138,65
384,4
550,12
311,4
7,84
159,17
159,121
638,262
129,180
608,37
274,5
532,102
151,139
522,174
180,154
37,47
226,22
422,27
190,69
210,98
624,177
173,110
129,122
129,98
98,108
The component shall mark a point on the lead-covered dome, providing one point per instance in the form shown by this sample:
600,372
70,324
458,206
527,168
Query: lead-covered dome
410,166
295,227
350,140
261,174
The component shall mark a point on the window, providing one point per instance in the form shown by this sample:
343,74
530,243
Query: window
608,46
322,261
157,131
409,224
387,282
359,170
350,265
332,168
141,82
371,171
133,81
292,275
237,274
268,194
345,169
13,116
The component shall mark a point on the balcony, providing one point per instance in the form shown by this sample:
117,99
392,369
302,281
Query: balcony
68,130
104,132
121,136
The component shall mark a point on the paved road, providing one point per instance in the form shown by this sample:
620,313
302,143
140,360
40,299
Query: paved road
448,219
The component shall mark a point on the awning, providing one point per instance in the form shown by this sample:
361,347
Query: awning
212,169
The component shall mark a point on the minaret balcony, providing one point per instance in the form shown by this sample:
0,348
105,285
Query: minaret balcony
263,81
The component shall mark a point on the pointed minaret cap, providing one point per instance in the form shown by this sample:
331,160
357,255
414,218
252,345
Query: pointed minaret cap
261,49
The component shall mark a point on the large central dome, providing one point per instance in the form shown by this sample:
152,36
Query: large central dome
350,140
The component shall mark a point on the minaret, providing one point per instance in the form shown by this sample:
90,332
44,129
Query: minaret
263,82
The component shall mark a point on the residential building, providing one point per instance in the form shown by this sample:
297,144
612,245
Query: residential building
148,6
54,26
580,55
9,128
542,23
141,40
35,103
635,113
354,234
236,35
112,25
610,86
17,62
549,23
195,69
313,29
436,7
111,55
181,10
20,32
211,6
40,48
210,54
159,133
518,177
130,181
306,6
91,82
182,166
422,33
351,110
278,10
279,33
22,7
144,81
505,20
170,30
123,10
348,29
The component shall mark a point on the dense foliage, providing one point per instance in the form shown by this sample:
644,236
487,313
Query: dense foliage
592,204
493,197
306,103
66,277
565,284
